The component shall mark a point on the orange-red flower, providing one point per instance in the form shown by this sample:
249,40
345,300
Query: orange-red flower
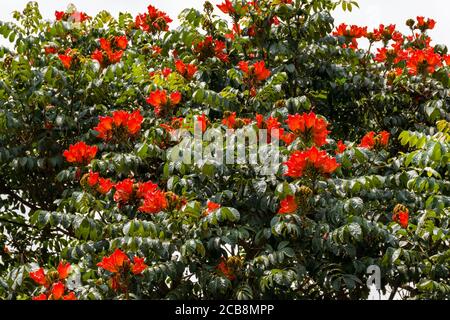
70,296
402,218
58,290
119,122
59,15
39,277
145,187
309,127
202,122
63,270
97,55
301,161
226,7
341,147
223,268
66,60
124,191
163,103
80,153
138,265
257,71
212,206
121,42
186,70
209,48
230,120
153,20
371,140
42,296
288,205
154,202
114,262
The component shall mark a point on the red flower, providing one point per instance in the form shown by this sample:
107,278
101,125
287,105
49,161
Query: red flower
124,191
70,296
138,266
257,71
288,205
166,72
114,262
368,141
186,70
144,188
97,55
39,277
63,270
212,206
50,50
301,161
230,120
58,290
120,119
66,60
341,147
104,185
202,122
154,202
114,57
288,138
93,178
384,138
80,153
153,21
121,42
222,267
309,126
371,140
226,7
59,15
402,218
159,100
42,296
209,48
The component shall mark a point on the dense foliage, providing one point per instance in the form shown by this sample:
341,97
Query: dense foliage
95,204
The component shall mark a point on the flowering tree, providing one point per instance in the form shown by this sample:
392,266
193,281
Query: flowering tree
100,198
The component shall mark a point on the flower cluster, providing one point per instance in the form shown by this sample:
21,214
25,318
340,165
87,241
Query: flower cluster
97,183
351,34
76,16
186,70
121,124
53,282
288,205
254,74
153,20
309,127
162,102
401,215
209,48
67,58
111,50
302,162
232,122
119,264
80,153
211,207
229,267
150,197
372,140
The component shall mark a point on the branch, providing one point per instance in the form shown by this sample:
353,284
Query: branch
5,190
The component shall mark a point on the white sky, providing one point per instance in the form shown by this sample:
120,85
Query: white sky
372,12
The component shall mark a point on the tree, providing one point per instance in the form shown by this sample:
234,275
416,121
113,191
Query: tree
98,115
